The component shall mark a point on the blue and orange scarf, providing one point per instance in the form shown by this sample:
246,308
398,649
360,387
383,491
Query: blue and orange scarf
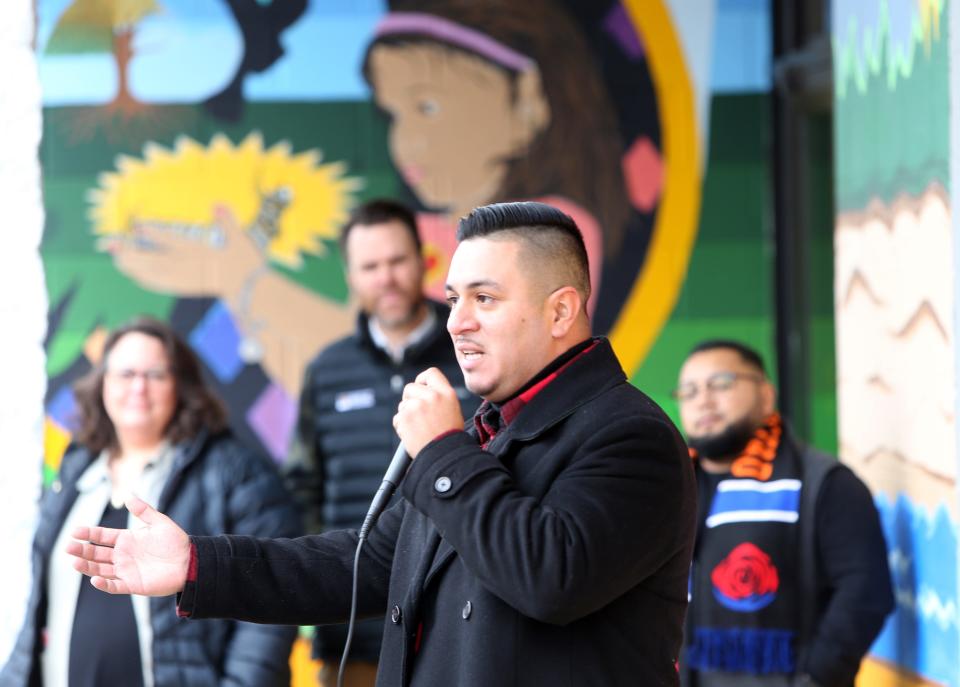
743,583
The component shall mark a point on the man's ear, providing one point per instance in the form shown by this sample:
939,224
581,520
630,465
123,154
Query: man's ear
768,398
347,276
422,261
563,307
531,111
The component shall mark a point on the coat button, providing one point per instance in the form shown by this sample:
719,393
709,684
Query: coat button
442,485
396,615
56,486
467,610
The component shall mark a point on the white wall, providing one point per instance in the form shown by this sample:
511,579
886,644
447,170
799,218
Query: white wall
23,310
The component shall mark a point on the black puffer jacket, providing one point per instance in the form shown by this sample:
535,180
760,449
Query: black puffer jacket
345,440
216,486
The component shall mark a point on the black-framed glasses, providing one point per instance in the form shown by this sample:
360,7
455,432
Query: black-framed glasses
124,375
719,381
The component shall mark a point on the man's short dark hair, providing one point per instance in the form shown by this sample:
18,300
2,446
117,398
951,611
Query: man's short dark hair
749,355
379,211
548,233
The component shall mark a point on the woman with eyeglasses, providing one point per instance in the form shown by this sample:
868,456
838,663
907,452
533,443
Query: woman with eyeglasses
148,426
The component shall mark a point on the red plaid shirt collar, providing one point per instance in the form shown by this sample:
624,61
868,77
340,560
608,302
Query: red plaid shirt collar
490,418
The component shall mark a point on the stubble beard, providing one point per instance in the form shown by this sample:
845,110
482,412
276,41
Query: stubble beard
404,320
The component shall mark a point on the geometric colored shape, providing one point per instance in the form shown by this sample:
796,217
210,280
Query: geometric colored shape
272,416
55,442
63,408
643,174
303,667
617,23
93,344
217,341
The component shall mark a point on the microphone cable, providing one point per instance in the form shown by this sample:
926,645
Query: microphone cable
395,472
353,612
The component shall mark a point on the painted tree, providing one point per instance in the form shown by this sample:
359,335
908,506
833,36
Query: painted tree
96,26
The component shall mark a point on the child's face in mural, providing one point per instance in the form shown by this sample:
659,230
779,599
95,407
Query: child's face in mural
139,393
456,120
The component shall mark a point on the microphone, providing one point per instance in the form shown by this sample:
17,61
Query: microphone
395,472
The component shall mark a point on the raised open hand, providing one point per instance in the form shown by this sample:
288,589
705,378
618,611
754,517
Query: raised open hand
151,560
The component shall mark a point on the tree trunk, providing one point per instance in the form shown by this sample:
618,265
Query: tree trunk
122,54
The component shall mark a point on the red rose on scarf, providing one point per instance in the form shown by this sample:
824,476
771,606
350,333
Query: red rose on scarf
746,572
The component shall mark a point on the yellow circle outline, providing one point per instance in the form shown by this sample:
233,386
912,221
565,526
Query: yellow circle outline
656,290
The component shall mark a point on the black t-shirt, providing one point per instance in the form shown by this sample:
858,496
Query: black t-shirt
104,645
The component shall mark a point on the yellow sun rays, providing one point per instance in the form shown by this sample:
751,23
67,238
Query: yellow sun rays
186,186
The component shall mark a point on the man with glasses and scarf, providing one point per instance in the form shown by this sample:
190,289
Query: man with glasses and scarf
790,583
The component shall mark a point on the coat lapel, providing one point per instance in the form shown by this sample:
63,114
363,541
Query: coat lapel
441,557
422,531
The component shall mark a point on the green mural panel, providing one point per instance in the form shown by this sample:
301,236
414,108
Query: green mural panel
728,292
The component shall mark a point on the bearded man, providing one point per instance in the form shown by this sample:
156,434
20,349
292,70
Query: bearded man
790,583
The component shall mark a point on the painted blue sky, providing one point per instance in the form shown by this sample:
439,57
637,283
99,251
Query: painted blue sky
322,61
742,47
323,53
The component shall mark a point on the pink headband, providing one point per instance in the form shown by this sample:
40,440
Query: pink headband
450,32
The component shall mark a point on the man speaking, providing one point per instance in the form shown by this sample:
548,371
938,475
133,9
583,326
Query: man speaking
547,544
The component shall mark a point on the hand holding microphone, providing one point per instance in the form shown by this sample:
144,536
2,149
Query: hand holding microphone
429,408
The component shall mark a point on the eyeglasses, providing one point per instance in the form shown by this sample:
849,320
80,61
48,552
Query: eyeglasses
719,381
126,375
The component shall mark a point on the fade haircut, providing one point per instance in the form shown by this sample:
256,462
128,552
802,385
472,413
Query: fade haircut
749,355
380,211
547,235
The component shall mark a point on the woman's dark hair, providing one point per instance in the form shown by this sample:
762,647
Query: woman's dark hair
197,407
579,154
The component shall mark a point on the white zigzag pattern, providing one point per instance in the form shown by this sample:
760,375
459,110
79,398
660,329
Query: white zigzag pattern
899,562
930,606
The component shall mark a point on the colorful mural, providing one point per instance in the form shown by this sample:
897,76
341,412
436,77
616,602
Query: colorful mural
199,156
168,193
728,287
894,286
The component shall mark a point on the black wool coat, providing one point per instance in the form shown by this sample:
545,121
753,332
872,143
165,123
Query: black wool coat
345,439
557,556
